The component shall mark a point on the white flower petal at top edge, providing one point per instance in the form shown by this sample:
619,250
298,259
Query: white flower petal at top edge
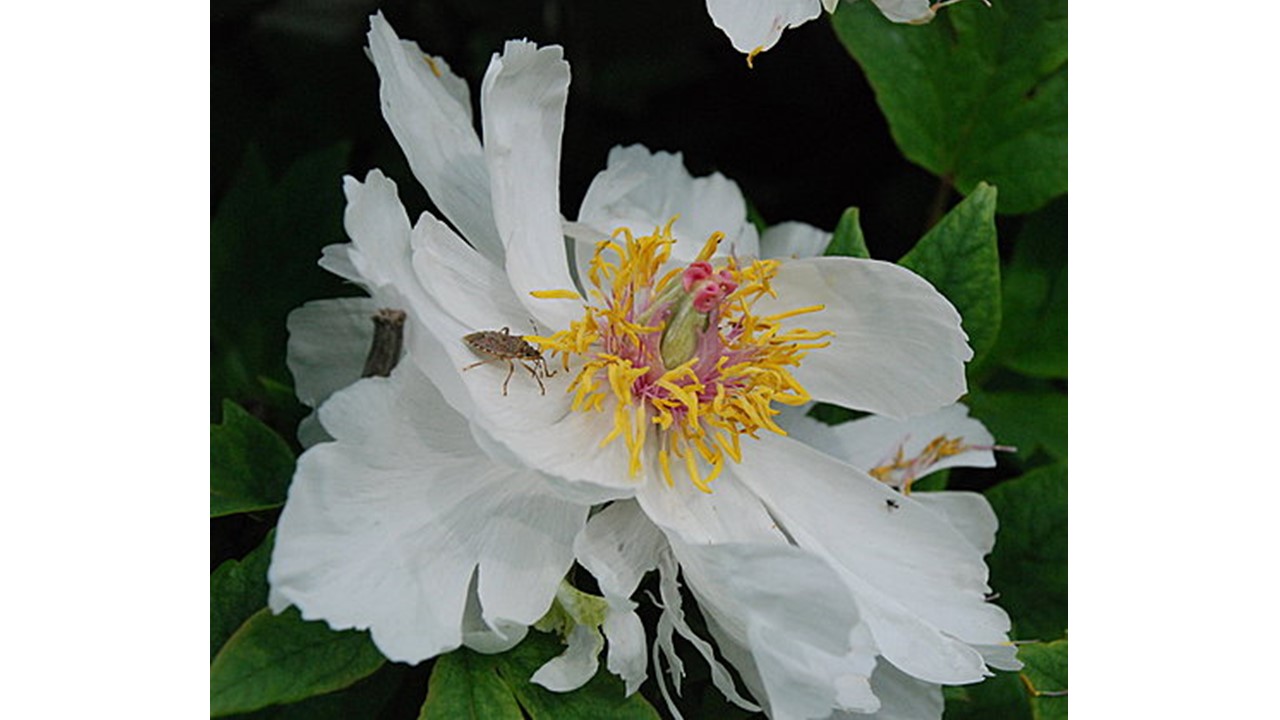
756,25
429,113
522,101
898,349
641,190
385,528
920,585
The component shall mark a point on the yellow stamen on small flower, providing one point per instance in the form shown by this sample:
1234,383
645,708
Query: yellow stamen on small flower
751,56
901,472
731,367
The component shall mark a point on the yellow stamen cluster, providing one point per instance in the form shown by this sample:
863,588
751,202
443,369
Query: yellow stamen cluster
700,408
901,470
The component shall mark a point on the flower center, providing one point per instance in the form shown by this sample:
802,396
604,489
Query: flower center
681,353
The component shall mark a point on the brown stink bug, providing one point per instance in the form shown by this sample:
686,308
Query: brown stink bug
501,345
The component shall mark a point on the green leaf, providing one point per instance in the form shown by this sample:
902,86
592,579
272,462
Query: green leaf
997,698
847,241
465,684
978,94
1029,563
959,256
1028,420
1045,676
1033,340
274,659
932,482
834,414
601,697
237,589
365,699
251,465
265,235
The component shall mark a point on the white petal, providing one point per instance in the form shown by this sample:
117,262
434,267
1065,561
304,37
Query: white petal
522,103
898,348
903,697
627,656
795,616
968,512
641,190
464,284
380,256
791,612
730,513
489,638
919,584
430,117
337,260
378,259
311,432
830,5
906,11
385,528
618,546
379,230
793,240
1001,657
328,343
576,665
672,618
752,24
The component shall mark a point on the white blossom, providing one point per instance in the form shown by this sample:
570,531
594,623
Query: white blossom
443,505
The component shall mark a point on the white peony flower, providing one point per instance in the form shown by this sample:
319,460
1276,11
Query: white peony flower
754,26
443,505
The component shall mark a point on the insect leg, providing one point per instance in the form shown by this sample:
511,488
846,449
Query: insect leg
511,368
545,371
534,372
478,364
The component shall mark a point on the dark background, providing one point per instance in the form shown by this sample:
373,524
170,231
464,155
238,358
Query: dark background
800,133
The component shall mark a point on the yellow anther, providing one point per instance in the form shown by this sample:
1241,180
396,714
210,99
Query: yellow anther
556,294
792,313
709,247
